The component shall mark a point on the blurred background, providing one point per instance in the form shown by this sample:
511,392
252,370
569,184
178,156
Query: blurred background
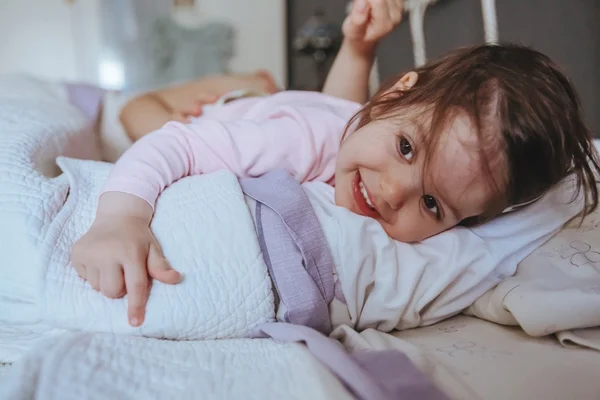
141,44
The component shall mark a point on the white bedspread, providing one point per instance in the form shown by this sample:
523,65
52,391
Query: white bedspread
103,366
224,294
37,124
40,294
198,221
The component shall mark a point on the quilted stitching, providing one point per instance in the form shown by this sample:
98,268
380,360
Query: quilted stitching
32,133
206,231
99,366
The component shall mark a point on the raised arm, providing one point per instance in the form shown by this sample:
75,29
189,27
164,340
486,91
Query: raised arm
368,23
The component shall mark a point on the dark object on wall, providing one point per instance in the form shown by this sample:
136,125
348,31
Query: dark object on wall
320,40
302,73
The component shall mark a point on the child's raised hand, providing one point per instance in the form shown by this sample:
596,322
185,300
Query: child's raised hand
119,253
370,21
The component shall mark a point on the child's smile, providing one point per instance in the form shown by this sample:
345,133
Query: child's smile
363,200
381,174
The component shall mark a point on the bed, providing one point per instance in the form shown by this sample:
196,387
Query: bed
533,336
474,359
484,360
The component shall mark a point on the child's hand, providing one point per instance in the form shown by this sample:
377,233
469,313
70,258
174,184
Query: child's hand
184,114
370,21
118,253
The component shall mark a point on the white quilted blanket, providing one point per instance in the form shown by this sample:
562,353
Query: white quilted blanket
37,124
207,233
198,221
102,366
43,211
225,293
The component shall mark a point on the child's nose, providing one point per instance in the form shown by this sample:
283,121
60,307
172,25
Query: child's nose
395,191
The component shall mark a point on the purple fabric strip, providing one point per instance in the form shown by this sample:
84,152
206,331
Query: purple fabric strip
369,375
88,98
397,375
301,267
294,248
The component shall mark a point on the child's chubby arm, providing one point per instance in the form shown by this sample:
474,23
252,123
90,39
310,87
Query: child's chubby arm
365,26
119,253
151,111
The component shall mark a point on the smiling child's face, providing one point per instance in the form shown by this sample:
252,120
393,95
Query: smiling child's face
380,174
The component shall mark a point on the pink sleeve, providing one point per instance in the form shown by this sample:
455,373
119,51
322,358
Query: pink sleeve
305,142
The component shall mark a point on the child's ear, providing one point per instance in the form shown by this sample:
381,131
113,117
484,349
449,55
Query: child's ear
407,81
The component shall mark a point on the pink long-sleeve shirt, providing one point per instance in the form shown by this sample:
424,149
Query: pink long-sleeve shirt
297,131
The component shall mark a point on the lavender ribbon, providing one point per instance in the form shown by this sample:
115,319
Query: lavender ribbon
294,248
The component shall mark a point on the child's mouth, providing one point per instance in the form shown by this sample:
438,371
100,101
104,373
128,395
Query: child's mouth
362,197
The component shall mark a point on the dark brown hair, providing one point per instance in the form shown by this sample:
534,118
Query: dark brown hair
514,95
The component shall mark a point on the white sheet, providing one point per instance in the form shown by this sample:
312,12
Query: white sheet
556,289
4,369
102,366
472,359
467,358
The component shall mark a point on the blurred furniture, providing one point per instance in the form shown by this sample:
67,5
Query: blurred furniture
320,40
302,70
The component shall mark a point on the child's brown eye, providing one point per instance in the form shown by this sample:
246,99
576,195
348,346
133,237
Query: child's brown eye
432,205
405,148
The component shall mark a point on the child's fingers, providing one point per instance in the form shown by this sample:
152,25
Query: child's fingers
355,24
179,117
159,268
136,283
112,283
360,12
193,111
196,109
381,23
396,8
207,98
93,277
270,84
80,269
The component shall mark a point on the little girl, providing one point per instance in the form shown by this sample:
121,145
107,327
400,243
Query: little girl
459,141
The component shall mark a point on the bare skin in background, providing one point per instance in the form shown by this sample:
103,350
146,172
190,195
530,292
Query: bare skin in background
150,111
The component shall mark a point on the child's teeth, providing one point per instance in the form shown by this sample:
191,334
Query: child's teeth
363,190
